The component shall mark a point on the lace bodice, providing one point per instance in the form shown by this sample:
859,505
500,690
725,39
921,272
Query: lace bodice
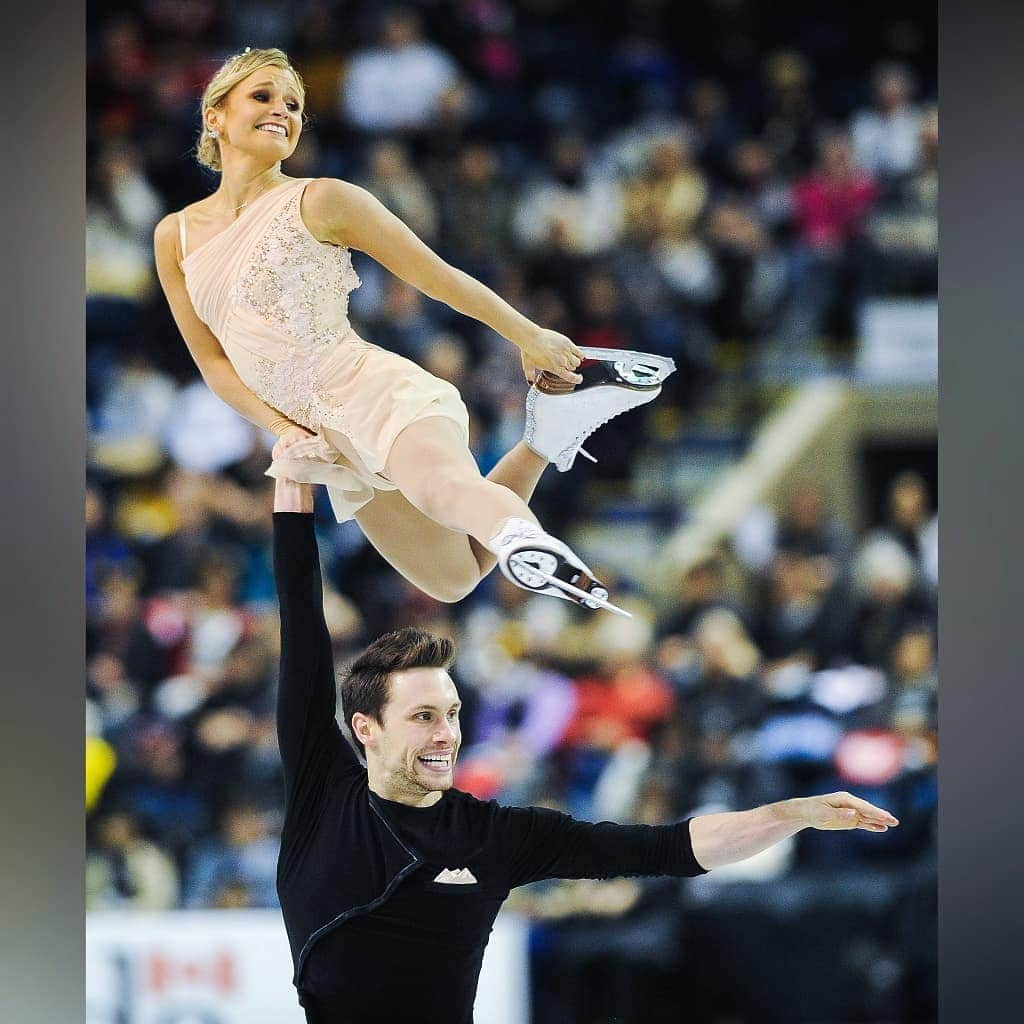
295,283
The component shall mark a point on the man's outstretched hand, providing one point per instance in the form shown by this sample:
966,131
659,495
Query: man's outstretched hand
729,836
844,811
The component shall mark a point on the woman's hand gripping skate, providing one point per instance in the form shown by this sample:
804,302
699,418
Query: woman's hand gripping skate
551,351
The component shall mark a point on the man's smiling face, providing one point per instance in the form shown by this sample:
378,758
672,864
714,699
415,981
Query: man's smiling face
411,753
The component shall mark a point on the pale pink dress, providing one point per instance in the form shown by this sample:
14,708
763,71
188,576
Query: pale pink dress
277,301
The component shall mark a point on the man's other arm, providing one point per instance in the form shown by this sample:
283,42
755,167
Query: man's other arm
725,838
547,844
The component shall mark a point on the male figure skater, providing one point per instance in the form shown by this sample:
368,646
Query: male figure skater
390,879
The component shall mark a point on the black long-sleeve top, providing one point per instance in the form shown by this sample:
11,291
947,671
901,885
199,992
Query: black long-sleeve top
374,934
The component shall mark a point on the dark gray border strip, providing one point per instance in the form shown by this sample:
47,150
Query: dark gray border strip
42,605
981,497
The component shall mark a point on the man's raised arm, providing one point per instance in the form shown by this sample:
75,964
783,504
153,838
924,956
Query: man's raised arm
307,730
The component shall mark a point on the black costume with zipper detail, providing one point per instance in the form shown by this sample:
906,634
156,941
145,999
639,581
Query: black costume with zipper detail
374,927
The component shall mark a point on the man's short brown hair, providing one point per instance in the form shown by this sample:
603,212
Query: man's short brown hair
365,686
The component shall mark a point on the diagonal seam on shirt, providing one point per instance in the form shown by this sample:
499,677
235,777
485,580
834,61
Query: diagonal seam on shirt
366,908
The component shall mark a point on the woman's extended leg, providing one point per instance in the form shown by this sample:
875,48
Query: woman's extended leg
432,466
444,563
520,470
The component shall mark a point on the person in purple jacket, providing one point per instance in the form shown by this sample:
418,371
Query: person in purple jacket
389,878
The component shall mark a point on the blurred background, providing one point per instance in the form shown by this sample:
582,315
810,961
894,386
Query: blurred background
748,188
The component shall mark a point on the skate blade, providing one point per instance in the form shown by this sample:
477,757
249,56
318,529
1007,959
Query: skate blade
641,369
581,595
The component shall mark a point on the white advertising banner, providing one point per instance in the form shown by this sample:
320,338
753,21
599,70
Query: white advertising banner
234,967
899,341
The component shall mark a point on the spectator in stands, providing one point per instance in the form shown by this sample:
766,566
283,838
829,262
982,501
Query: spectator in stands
398,85
888,599
131,415
406,324
807,526
113,696
831,204
119,75
804,616
671,190
788,120
157,783
324,64
832,201
244,852
701,589
390,178
749,274
203,434
121,178
804,525
886,138
115,611
519,720
712,124
763,191
664,203
723,696
619,700
575,207
476,209
169,524
910,705
104,547
119,205
911,524
125,869
904,230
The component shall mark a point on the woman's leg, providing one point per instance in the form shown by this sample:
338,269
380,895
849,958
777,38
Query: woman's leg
444,563
432,466
519,469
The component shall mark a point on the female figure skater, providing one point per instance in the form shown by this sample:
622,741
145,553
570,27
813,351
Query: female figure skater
257,276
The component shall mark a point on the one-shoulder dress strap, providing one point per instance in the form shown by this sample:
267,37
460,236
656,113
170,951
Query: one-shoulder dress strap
181,231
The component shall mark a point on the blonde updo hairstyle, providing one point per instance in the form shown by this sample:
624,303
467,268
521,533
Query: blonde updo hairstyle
234,70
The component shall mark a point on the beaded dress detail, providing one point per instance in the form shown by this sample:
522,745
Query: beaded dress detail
277,300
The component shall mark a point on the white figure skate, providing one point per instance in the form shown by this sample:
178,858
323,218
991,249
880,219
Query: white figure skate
560,416
536,561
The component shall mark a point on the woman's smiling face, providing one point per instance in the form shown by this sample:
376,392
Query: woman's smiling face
261,115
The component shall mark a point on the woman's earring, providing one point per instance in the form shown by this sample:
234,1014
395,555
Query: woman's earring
214,133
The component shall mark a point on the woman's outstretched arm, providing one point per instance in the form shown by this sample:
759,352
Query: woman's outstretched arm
345,214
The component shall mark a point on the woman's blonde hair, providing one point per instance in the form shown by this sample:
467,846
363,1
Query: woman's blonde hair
234,70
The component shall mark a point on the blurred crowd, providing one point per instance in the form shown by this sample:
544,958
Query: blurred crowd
719,187
682,186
